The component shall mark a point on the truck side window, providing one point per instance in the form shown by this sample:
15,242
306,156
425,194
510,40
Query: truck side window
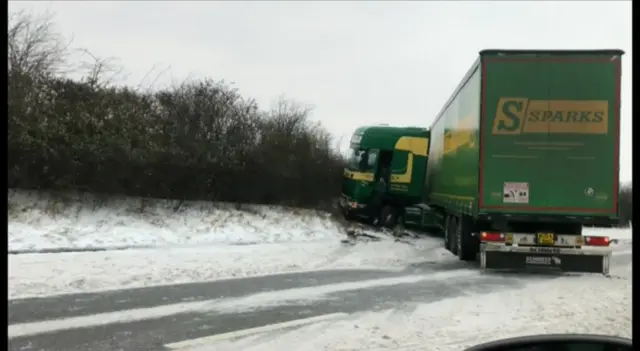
372,159
367,159
363,160
399,163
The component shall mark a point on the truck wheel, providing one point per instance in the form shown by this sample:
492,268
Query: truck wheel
348,216
466,243
447,233
388,217
453,238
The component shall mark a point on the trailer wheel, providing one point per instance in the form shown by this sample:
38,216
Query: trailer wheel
447,233
453,238
348,216
466,245
388,217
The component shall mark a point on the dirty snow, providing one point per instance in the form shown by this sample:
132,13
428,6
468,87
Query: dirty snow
603,306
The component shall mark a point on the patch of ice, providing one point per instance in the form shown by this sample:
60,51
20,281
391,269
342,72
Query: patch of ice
306,294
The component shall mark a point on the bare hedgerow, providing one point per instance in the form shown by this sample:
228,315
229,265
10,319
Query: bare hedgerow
199,140
33,47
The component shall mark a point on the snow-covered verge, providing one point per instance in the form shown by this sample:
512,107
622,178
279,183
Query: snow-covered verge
51,274
73,220
197,242
576,304
194,242
40,220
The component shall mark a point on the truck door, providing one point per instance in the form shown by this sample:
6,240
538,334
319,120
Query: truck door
384,163
581,106
534,138
515,163
547,148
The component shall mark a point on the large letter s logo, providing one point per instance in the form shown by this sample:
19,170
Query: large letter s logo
509,116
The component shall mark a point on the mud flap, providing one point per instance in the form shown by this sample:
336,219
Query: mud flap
564,262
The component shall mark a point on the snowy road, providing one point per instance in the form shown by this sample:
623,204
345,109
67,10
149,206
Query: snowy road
151,318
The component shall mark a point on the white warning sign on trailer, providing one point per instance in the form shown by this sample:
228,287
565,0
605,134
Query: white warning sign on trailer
515,193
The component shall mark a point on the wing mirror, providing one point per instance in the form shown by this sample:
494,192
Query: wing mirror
558,342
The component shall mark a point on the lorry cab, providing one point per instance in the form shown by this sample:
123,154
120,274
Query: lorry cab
385,171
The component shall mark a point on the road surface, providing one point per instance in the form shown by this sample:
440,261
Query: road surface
154,333
150,318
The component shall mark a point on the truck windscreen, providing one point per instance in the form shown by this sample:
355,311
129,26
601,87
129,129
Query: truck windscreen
358,160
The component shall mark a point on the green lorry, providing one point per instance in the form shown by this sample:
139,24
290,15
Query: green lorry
522,156
395,154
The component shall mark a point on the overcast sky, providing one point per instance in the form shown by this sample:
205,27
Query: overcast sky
356,63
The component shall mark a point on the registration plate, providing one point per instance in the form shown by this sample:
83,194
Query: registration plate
546,239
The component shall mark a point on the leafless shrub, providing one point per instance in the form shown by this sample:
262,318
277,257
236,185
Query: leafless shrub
199,140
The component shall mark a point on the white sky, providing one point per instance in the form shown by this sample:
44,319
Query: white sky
356,63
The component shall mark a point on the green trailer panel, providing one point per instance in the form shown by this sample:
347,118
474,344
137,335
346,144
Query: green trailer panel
452,167
550,133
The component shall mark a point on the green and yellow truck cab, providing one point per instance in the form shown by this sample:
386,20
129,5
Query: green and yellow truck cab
398,155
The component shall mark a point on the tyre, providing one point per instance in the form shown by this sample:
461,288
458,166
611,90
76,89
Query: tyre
466,244
388,217
447,230
453,244
348,216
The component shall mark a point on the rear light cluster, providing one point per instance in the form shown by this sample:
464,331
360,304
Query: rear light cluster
492,237
586,240
596,240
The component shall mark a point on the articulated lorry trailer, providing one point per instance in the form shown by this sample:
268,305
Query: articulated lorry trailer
523,155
